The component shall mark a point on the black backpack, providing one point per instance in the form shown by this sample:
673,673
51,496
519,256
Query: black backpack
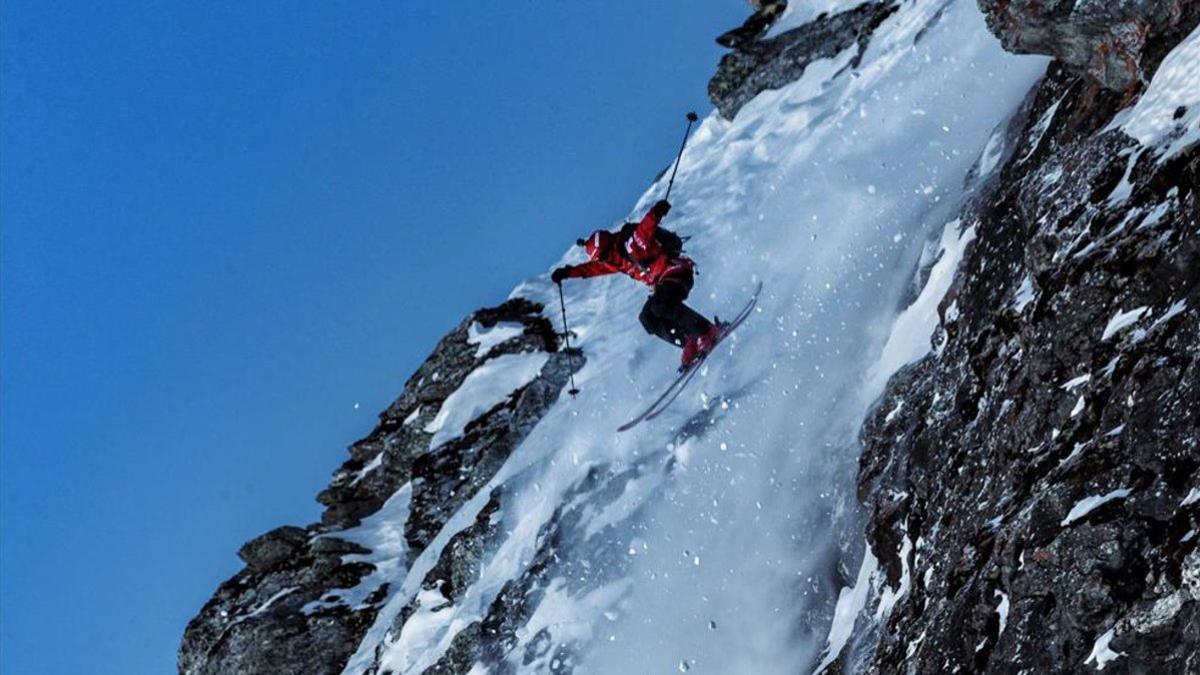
671,243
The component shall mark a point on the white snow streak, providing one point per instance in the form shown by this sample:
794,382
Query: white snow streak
1192,497
1024,294
850,604
383,534
1123,320
913,328
487,338
486,386
1086,506
1102,654
1002,610
1077,382
375,463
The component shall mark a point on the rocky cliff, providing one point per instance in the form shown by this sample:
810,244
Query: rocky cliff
308,595
1033,484
973,380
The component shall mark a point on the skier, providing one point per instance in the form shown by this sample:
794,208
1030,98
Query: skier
653,256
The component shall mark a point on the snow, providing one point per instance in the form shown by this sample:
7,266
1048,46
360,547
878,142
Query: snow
375,463
1002,610
1173,311
1077,382
782,194
911,333
888,597
1176,85
1086,506
850,604
1039,130
487,338
257,611
486,386
1102,654
1079,406
799,13
412,416
1192,497
566,614
1024,294
1124,188
992,153
383,534
1123,320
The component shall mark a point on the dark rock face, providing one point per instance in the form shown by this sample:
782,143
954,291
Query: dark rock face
273,548
1119,44
1028,484
284,613
759,65
765,14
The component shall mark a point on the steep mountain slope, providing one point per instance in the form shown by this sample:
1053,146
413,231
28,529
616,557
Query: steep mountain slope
1033,485
862,153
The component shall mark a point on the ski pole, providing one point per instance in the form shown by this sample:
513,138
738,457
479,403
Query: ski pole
567,336
691,118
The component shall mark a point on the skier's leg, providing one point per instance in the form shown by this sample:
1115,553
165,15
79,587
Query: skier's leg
689,322
652,319
682,318
666,315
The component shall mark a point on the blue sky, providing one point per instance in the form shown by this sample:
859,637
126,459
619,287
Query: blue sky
223,225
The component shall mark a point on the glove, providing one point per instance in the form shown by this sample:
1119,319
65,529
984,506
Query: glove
660,208
559,274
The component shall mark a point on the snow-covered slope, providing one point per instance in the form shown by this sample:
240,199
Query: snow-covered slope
725,535
827,190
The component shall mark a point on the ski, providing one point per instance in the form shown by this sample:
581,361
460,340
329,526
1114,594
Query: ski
680,383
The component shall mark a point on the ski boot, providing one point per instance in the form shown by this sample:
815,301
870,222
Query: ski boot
698,347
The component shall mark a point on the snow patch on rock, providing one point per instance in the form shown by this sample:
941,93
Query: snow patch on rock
488,337
912,331
1086,506
1102,654
486,386
1169,111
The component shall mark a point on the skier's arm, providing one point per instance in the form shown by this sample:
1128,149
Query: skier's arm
593,268
644,234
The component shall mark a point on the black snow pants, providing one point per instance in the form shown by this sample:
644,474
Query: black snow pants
665,316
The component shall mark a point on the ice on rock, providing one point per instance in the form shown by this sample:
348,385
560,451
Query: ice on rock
486,386
1192,497
1024,294
913,328
1079,406
1086,506
1102,654
1002,610
1123,320
488,337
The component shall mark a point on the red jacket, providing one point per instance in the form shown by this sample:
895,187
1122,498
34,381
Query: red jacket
636,254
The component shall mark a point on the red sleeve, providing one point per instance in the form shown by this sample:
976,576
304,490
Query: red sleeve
593,268
644,234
